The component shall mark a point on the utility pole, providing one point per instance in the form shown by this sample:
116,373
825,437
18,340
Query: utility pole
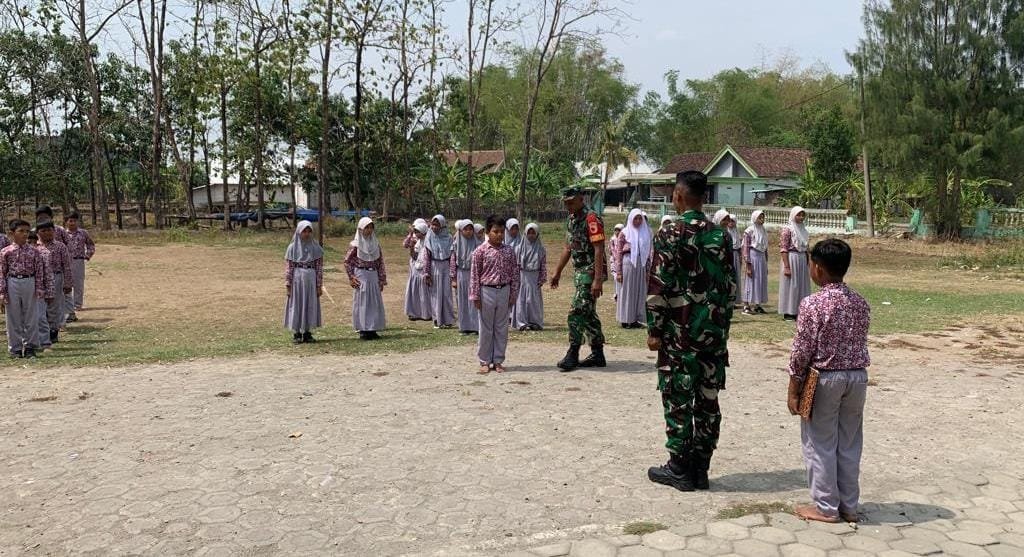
869,207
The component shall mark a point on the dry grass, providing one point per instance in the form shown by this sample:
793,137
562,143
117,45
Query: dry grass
739,510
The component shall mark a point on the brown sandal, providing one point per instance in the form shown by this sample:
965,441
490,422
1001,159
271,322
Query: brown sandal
811,512
499,368
484,369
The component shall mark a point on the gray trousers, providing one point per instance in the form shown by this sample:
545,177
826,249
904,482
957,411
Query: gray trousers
51,313
493,325
833,440
75,299
22,314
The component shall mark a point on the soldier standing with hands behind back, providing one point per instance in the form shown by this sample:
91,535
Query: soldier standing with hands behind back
689,307
585,246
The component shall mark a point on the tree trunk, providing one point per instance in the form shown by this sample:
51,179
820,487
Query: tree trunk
92,189
224,151
357,147
116,189
95,140
325,121
259,141
527,144
206,164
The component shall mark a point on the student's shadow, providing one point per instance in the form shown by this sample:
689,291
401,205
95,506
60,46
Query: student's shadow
761,482
103,308
626,366
901,513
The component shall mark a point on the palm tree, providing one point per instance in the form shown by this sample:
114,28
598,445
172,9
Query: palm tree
613,152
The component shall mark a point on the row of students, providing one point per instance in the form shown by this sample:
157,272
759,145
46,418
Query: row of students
42,280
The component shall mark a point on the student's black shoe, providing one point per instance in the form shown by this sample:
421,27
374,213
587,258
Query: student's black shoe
297,338
72,318
16,355
625,325
571,360
536,328
760,310
524,328
748,311
31,353
638,325
667,475
372,335
364,335
699,466
308,337
788,317
54,337
596,358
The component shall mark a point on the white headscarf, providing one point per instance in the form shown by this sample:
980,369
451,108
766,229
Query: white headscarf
666,221
477,229
639,238
421,226
303,251
758,235
439,243
417,222
509,240
530,253
801,237
734,232
719,215
464,247
367,249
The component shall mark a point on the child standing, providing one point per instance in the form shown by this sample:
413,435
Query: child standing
666,223
731,229
58,259
633,263
533,273
304,281
832,338
365,267
436,256
493,287
795,282
45,213
481,233
22,285
755,255
512,236
82,249
417,295
613,248
461,265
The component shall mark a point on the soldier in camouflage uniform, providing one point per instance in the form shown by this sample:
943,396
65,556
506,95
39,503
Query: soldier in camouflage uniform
689,308
584,244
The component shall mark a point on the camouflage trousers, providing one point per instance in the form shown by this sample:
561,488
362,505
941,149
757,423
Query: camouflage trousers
583,320
689,394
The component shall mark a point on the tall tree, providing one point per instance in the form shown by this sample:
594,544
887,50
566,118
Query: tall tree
153,45
612,151
479,37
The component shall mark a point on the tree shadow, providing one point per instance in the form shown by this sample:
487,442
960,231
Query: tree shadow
761,482
900,513
102,308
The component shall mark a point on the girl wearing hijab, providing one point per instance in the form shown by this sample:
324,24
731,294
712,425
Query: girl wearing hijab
481,233
462,261
417,295
633,263
666,223
528,313
365,267
727,221
613,247
304,280
795,282
512,236
755,256
436,258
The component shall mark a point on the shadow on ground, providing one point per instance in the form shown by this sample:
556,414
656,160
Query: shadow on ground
761,482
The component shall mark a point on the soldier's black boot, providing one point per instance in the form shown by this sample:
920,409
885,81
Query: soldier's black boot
700,465
596,357
571,360
676,473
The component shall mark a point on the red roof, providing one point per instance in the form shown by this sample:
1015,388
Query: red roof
766,162
688,161
482,160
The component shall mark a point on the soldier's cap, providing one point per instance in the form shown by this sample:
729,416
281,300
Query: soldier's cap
571,192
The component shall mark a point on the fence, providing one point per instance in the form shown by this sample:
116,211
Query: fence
537,209
997,223
827,221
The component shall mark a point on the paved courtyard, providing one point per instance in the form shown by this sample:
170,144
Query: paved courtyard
415,454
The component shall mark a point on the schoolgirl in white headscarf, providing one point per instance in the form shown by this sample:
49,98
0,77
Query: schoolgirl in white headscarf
528,313
367,275
634,262
795,279
436,258
466,243
304,279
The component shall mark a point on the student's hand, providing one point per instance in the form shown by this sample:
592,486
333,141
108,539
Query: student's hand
382,285
554,281
596,289
455,285
787,271
67,290
319,291
429,281
477,304
653,344
618,279
793,402
750,271
354,282
288,289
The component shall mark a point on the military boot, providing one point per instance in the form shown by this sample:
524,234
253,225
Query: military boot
571,360
699,466
675,473
596,357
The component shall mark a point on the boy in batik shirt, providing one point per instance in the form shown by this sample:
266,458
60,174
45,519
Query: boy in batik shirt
22,285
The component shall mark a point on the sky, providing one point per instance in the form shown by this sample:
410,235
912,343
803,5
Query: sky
701,38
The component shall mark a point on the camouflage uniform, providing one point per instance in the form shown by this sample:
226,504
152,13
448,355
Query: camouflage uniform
581,233
689,307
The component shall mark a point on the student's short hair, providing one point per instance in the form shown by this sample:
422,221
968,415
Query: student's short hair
45,210
833,255
72,215
693,181
32,234
493,221
44,225
17,223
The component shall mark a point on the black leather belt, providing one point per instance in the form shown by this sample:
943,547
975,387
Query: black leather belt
20,276
496,286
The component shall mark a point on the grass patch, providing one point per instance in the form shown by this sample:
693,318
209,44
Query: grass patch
739,510
1006,255
642,528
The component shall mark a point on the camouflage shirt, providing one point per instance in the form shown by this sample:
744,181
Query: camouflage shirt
580,233
692,289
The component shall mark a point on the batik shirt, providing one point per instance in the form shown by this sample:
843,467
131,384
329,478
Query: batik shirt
352,262
691,289
62,235
581,232
4,241
22,260
58,257
494,266
831,331
786,243
80,244
290,266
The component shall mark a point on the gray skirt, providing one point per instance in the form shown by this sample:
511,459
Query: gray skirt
367,302
631,306
417,295
737,271
441,304
793,289
469,316
755,286
302,313
529,308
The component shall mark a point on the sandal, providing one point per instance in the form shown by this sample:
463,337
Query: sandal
484,369
499,368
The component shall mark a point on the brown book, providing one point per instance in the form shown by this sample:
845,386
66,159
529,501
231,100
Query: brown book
807,393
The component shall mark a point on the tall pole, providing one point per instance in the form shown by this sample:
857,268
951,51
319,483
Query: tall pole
869,207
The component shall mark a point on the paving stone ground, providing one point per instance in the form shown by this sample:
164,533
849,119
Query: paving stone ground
415,454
